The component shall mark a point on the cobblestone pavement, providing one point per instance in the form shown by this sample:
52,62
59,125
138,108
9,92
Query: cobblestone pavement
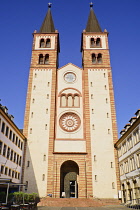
119,207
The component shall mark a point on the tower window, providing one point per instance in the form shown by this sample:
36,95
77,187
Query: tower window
98,42
28,163
91,96
46,126
46,59
63,101
43,177
42,43
33,100
48,43
94,157
108,131
40,59
44,158
34,87
93,58
95,178
32,114
99,58
92,42
92,111
46,111
113,185
47,96
30,130
105,87
111,164
48,84
70,101
91,84
93,127
76,101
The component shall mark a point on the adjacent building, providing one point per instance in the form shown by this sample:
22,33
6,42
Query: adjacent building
12,143
128,147
70,119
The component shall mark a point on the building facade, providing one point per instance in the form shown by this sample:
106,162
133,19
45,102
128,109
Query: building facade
70,119
128,147
12,143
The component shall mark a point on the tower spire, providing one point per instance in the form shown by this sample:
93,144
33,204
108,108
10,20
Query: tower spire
48,24
92,24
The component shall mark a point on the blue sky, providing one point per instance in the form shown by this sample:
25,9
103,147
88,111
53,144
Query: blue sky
19,19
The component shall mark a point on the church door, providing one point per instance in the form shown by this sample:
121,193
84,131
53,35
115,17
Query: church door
68,182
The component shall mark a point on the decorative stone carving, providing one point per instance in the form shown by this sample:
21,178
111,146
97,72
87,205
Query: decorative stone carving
69,121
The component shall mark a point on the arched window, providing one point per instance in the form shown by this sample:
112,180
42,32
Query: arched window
98,42
63,101
42,43
92,42
40,59
48,43
70,100
76,101
99,58
93,58
46,59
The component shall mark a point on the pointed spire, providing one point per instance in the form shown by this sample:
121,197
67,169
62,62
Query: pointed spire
48,25
92,24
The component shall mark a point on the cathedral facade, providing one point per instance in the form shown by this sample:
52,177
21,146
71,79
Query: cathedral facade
70,119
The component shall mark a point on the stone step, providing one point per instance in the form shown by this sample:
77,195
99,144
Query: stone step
77,202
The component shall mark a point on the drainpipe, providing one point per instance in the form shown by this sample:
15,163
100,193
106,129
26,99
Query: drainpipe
7,193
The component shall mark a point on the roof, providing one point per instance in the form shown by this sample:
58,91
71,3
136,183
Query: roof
92,24
48,24
69,64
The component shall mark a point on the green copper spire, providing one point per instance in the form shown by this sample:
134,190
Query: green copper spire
92,24
48,25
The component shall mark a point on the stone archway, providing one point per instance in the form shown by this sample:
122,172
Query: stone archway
68,179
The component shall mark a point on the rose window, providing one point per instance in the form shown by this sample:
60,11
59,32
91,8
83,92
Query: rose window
69,121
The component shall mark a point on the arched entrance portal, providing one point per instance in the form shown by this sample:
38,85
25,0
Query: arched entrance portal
68,179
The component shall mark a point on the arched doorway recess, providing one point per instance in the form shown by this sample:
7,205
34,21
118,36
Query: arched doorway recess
68,179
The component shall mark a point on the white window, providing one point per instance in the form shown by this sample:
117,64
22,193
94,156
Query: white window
136,136
132,164
138,160
129,142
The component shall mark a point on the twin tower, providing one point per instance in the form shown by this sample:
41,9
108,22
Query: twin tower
70,120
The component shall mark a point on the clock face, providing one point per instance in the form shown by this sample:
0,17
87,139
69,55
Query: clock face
69,77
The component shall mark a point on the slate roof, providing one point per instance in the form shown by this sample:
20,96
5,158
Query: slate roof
92,24
48,24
